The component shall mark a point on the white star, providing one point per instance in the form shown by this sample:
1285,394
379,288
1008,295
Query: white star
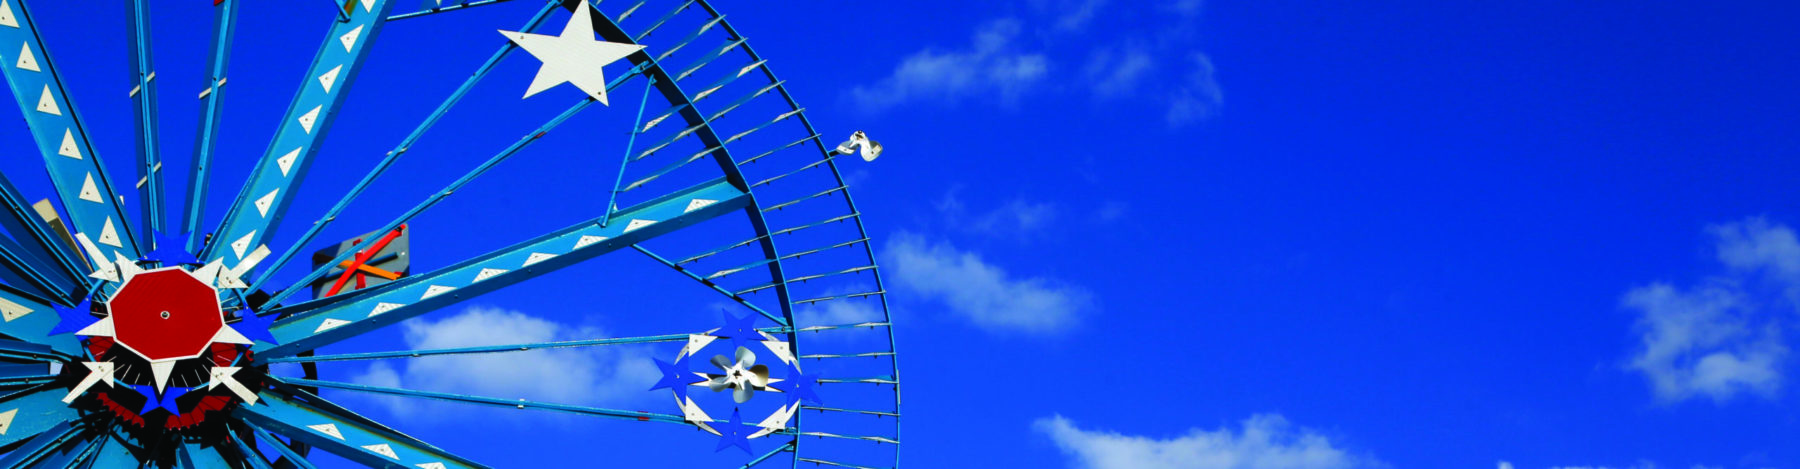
573,57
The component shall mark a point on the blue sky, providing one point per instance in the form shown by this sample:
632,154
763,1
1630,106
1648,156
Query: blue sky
1175,234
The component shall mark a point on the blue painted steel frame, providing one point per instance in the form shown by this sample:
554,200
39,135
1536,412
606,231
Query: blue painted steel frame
258,210
302,418
56,126
212,102
143,93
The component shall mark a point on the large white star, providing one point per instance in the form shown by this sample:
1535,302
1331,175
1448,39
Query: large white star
574,57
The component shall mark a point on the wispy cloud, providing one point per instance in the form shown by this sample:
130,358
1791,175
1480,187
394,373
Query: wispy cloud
1017,218
1264,441
983,293
991,64
589,376
1118,71
1199,96
1721,338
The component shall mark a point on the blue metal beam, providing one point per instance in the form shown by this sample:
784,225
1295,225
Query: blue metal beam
194,456
520,404
143,94
80,178
212,103
258,210
394,155
331,428
32,320
495,348
416,295
48,444
33,234
36,411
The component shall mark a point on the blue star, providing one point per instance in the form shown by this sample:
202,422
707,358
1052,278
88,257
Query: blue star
171,250
73,318
676,376
740,330
798,386
255,328
153,401
734,433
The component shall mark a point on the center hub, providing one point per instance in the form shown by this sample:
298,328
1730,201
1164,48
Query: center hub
166,314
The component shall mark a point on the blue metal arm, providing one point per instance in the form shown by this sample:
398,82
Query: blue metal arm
324,425
37,412
212,103
32,320
413,296
143,94
521,404
258,210
80,178
47,445
21,220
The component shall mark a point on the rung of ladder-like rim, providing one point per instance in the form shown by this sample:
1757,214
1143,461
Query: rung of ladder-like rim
814,164
740,101
690,38
665,115
802,227
873,380
715,55
876,439
776,149
783,205
741,268
833,297
690,130
843,326
805,278
853,411
629,11
702,153
710,253
832,463
819,356
823,249
639,38
710,89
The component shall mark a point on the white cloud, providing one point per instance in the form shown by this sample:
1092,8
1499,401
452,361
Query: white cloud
1076,13
1118,71
1017,218
582,376
1265,441
1199,96
992,64
981,292
1722,337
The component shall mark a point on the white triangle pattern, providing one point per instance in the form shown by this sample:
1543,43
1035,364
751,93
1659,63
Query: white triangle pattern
537,257
697,203
11,310
485,273
287,161
262,204
68,145
349,38
383,307
109,235
382,449
328,324
89,191
588,239
369,5
328,429
238,247
638,223
330,77
6,419
435,290
306,120
47,103
430,465
27,61
7,19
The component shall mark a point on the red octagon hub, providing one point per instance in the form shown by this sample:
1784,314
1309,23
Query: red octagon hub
166,314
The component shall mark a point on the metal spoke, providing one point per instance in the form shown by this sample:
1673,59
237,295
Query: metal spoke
35,235
34,411
44,446
416,295
143,93
259,207
32,320
497,348
212,102
446,8
492,401
80,179
308,419
394,155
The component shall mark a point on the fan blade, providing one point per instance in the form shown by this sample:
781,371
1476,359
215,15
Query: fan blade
721,362
745,358
742,395
759,376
